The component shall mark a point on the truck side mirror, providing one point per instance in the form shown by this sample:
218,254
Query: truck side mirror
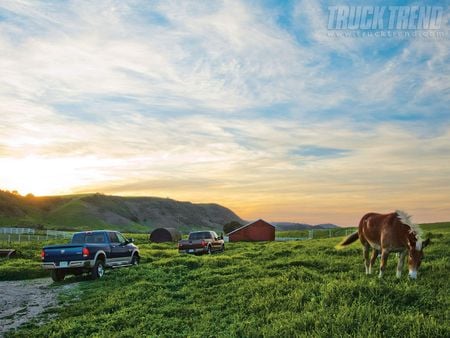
130,240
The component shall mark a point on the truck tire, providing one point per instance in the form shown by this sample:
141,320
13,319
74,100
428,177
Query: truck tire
58,275
98,270
223,248
135,260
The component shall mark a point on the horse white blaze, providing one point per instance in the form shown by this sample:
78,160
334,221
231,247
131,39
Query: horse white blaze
419,245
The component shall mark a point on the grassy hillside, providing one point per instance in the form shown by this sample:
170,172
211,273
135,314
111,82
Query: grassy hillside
437,227
278,289
135,214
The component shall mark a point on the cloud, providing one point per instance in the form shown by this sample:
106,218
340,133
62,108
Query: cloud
222,102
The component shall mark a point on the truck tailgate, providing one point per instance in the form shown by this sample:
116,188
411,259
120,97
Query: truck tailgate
187,244
66,253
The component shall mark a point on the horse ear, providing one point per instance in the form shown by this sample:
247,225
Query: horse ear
425,242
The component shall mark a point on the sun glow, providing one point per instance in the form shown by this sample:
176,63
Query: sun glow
44,176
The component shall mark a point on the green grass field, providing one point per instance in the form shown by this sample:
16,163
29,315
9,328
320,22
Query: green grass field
278,289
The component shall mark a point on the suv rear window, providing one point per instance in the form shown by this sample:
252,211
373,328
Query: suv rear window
91,238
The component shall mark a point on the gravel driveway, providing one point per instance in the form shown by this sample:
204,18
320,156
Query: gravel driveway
20,301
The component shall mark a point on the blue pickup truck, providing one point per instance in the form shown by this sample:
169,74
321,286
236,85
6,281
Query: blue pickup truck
90,252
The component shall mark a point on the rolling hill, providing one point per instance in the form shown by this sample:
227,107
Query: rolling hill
78,212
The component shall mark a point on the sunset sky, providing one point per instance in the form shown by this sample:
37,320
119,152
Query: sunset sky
250,104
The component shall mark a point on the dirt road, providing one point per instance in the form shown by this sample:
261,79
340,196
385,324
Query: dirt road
20,301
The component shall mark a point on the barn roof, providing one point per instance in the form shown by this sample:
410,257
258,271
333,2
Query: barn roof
155,235
172,231
248,224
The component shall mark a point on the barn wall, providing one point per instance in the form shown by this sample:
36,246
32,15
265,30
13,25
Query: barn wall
257,231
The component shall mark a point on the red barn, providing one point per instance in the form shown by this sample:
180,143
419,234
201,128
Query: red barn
259,230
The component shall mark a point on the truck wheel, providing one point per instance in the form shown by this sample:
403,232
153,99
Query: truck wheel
58,275
98,270
223,248
135,260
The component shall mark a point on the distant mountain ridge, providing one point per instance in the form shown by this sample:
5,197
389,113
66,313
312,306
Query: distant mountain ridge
98,211
284,226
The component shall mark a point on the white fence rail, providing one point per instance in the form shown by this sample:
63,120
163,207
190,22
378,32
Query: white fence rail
17,231
55,233
10,234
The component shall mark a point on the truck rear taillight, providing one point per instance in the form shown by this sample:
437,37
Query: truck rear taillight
85,252
203,243
42,254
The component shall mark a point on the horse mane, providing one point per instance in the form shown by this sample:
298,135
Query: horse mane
414,228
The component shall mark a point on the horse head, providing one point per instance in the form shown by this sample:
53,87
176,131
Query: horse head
416,255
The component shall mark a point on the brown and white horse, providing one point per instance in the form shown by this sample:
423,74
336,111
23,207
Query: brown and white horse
390,233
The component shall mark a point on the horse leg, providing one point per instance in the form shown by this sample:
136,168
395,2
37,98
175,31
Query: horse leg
373,258
401,261
366,257
384,257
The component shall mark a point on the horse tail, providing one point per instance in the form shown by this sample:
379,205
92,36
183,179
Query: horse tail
349,240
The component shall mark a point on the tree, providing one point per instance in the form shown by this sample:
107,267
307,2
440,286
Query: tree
230,226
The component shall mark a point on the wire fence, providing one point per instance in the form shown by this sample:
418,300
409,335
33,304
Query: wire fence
14,235
17,231
300,235
18,235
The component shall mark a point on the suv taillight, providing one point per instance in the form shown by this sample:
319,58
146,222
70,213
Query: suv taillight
85,252
203,243
42,254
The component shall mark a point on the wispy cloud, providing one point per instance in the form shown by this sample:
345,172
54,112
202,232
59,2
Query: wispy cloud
248,105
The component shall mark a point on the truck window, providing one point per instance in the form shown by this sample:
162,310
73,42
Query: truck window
120,237
113,237
88,237
200,235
